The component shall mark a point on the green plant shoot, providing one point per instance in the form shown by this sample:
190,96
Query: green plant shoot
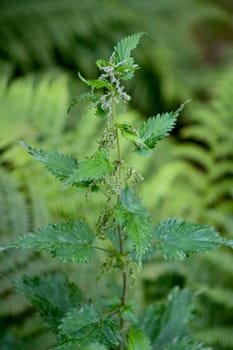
124,232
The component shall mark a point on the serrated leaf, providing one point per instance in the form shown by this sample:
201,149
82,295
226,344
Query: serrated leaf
87,96
135,221
177,239
90,169
130,133
167,322
137,340
52,294
58,164
86,325
126,45
69,241
150,320
156,128
177,314
96,83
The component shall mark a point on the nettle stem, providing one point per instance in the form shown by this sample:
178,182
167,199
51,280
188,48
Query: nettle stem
121,241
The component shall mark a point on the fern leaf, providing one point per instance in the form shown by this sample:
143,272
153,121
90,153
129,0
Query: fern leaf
52,294
69,241
135,220
93,168
177,239
60,165
156,128
137,340
86,325
217,336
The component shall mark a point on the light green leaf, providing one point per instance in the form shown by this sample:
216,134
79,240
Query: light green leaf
156,128
135,221
126,45
90,169
60,165
177,239
95,346
52,294
69,241
137,340
125,66
96,83
86,325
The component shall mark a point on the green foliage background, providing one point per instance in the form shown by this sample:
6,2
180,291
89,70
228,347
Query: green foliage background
43,44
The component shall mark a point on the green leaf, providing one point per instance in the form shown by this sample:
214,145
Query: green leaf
185,344
91,169
166,323
126,45
75,345
156,128
96,83
69,241
60,165
137,340
150,320
52,294
134,220
95,346
87,96
124,63
177,239
86,325
130,133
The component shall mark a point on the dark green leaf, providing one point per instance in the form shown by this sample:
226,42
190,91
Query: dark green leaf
52,294
69,241
60,165
177,239
185,344
86,325
167,322
75,345
177,314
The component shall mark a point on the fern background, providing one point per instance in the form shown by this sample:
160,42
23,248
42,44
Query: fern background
188,54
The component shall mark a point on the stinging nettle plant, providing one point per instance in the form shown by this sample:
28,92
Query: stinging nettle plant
124,232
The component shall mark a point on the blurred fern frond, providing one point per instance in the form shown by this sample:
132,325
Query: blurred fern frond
198,185
72,34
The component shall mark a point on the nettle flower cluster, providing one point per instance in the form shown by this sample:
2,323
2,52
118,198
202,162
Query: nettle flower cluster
124,232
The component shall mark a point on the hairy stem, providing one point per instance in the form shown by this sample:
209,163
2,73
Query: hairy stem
121,243
120,237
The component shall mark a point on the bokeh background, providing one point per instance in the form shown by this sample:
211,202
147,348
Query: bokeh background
187,54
